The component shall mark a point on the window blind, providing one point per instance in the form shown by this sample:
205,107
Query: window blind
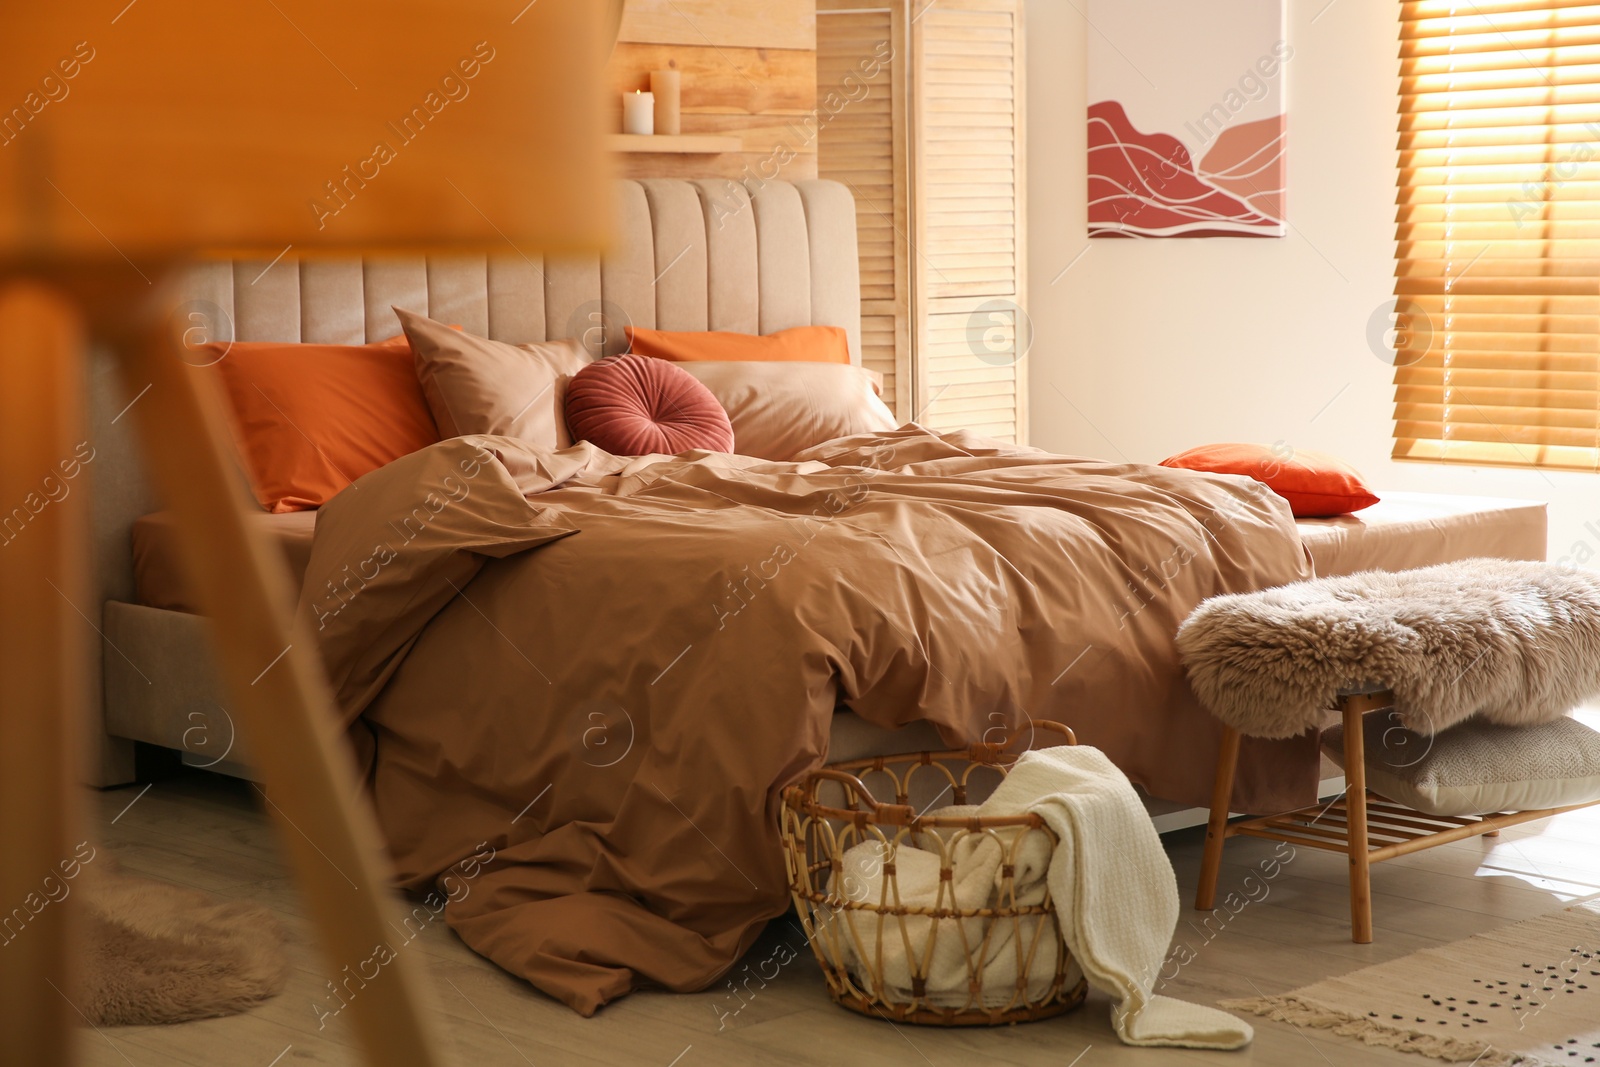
1497,273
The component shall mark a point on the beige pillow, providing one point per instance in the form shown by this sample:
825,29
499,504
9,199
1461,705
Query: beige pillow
475,385
781,408
1477,767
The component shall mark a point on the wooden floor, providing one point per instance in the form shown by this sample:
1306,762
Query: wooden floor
206,831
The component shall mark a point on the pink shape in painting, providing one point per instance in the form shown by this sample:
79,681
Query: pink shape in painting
1148,185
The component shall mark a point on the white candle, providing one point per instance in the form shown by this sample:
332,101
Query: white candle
639,113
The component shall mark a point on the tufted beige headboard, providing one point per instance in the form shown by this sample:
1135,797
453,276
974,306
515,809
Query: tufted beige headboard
690,255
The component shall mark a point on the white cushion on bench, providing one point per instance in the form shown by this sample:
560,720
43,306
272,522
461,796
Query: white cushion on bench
1478,768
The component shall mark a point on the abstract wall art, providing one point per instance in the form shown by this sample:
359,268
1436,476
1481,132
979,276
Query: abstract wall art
1186,118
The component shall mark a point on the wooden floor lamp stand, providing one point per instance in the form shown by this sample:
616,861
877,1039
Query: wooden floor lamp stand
279,698
1366,827
43,645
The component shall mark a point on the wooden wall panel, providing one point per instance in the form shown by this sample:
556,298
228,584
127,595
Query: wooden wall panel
721,23
723,80
749,70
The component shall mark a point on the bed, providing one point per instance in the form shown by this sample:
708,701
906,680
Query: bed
882,636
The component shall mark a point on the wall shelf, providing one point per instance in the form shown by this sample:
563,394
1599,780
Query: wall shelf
683,144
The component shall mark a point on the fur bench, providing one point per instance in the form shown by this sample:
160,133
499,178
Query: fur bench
1509,644
1514,643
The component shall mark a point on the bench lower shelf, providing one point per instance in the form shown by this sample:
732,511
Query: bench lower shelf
1365,826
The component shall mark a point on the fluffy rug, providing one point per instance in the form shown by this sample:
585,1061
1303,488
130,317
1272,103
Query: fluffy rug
158,953
1517,643
1526,994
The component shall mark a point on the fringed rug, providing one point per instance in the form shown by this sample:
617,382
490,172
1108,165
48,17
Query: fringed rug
159,953
1525,994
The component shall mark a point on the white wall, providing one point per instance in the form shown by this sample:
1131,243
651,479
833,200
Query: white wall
1145,348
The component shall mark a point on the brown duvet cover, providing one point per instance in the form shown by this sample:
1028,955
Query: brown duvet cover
605,670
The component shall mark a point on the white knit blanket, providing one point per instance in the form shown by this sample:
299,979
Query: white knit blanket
1115,895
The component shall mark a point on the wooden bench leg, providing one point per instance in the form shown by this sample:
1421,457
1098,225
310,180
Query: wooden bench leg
1217,825
1355,776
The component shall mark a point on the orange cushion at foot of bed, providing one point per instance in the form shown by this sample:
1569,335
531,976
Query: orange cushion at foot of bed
1314,484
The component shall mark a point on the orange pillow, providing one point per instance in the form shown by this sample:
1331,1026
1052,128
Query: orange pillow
798,344
311,419
1314,484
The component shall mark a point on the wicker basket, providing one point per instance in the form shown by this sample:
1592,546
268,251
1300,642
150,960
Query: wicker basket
882,956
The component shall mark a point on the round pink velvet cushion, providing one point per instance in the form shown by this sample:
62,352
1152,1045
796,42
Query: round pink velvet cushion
634,405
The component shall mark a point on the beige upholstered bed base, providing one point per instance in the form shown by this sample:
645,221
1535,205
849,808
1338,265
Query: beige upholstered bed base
689,255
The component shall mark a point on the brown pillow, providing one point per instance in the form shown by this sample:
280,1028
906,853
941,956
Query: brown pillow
474,385
781,409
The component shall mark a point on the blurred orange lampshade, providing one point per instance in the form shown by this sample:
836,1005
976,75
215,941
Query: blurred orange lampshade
165,127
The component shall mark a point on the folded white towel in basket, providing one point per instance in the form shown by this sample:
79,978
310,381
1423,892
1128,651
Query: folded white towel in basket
1115,896
900,949
1000,949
